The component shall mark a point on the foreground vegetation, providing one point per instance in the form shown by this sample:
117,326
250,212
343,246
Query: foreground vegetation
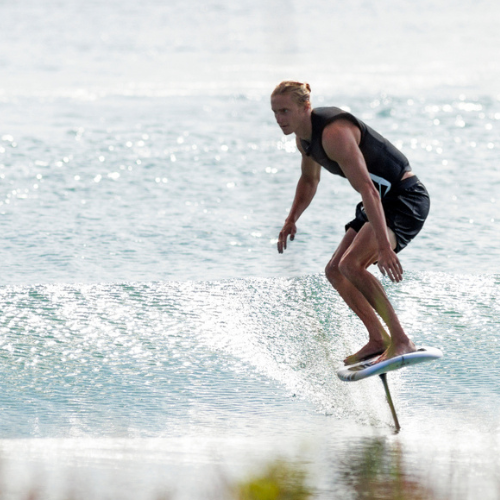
377,472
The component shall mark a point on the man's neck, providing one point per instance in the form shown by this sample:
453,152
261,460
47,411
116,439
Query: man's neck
304,132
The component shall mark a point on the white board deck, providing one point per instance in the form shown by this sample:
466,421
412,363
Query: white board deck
370,367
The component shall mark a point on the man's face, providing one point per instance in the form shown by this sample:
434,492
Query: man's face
288,114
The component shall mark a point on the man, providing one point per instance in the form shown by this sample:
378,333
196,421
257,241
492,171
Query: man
394,207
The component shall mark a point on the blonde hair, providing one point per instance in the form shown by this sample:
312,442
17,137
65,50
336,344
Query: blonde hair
300,92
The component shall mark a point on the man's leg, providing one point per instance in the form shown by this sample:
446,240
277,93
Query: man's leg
379,340
353,265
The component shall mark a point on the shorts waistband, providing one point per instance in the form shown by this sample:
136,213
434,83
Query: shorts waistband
408,182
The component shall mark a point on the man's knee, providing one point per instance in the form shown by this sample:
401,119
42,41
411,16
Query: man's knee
348,266
333,274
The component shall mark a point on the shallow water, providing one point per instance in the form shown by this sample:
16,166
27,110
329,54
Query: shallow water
151,334
231,373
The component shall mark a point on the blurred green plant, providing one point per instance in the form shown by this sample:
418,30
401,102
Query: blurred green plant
279,481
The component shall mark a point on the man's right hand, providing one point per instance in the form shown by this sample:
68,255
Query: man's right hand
289,229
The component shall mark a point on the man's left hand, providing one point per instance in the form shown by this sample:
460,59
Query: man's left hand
389,265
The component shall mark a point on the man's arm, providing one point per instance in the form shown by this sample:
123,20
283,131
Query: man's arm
306,189
340,141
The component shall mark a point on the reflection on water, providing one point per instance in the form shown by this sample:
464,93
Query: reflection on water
378,470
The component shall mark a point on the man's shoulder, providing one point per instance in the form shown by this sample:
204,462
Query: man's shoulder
331,115
339,129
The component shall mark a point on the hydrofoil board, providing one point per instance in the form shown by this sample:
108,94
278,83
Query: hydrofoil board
370,367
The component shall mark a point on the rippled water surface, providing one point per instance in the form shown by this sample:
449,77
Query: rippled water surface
198,187
150,333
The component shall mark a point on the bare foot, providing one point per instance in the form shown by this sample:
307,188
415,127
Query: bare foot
397,350
368,351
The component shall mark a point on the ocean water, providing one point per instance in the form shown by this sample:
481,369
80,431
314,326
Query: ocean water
152,339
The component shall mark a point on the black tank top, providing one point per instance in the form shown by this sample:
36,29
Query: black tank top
386,164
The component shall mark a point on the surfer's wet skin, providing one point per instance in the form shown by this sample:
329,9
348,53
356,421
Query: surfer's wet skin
370,367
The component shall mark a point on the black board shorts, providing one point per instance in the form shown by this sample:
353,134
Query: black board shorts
405,208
